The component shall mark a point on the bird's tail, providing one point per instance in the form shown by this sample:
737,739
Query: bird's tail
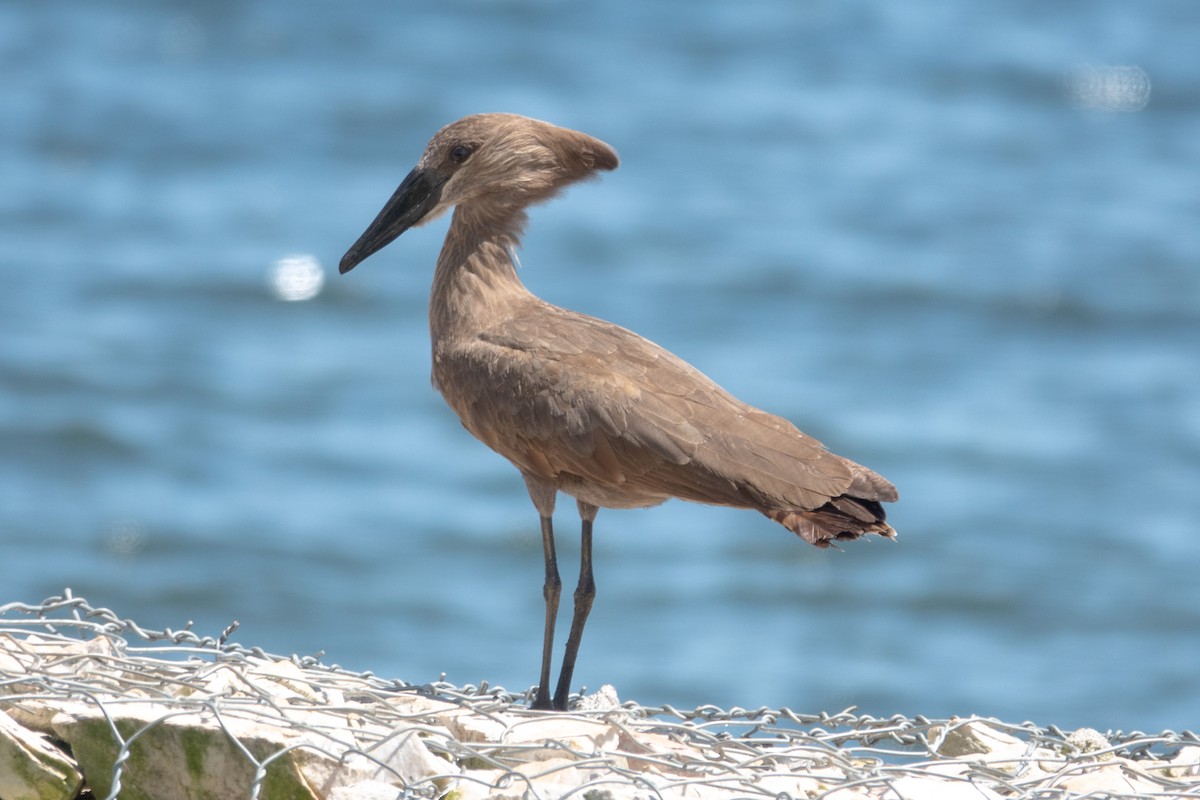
845,517
841,519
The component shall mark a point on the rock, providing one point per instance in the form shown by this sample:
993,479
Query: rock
283,678
399,760
1185,763
565,734
1119,777
1085,741
45,660
40,655
857,793
654,752
37,714
975,737
367,790
999,749
909,786
466,725
489,785
189,754
811,783
240,724
532,736
31,768
603,699
13,657
175,755
405,754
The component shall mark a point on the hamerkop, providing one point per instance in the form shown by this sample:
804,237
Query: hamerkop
580,405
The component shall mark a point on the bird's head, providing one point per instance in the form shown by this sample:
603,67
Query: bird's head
495,163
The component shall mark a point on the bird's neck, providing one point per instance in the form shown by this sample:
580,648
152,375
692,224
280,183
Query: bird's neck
476,279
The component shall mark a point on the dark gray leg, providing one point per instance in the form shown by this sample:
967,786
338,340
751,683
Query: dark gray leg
585,593
551,591
542,494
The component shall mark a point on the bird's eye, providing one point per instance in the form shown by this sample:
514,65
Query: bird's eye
460,153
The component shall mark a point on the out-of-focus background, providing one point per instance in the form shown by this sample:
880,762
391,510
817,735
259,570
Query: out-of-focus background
959,243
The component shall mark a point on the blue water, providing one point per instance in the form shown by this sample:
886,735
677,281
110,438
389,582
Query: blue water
916,229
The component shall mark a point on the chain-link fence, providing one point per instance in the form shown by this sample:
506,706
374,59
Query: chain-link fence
102,703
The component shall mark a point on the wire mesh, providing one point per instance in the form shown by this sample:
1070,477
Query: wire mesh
148,712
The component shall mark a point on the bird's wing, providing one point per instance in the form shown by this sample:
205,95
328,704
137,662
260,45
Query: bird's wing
559,392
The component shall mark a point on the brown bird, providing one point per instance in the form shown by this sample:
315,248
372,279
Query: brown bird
580,405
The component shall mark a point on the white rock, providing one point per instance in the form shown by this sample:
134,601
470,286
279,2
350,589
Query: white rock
13,657
1185,764
97,693
580,734
976,740
975,737
1087,740
489,784
419,705
529,736
367,790
222,679
809,784
855,793
282,679
910,786
402,759
33,769
603,699
35,653
470,726
1116,777
36,714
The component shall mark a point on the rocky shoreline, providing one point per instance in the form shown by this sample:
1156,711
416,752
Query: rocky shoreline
83,713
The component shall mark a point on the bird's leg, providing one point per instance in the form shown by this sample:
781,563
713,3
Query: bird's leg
542,494
551,591
585,593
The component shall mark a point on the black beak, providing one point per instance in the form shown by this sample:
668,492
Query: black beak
416,197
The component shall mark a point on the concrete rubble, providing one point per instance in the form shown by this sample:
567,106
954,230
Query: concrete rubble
31,768
76,713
